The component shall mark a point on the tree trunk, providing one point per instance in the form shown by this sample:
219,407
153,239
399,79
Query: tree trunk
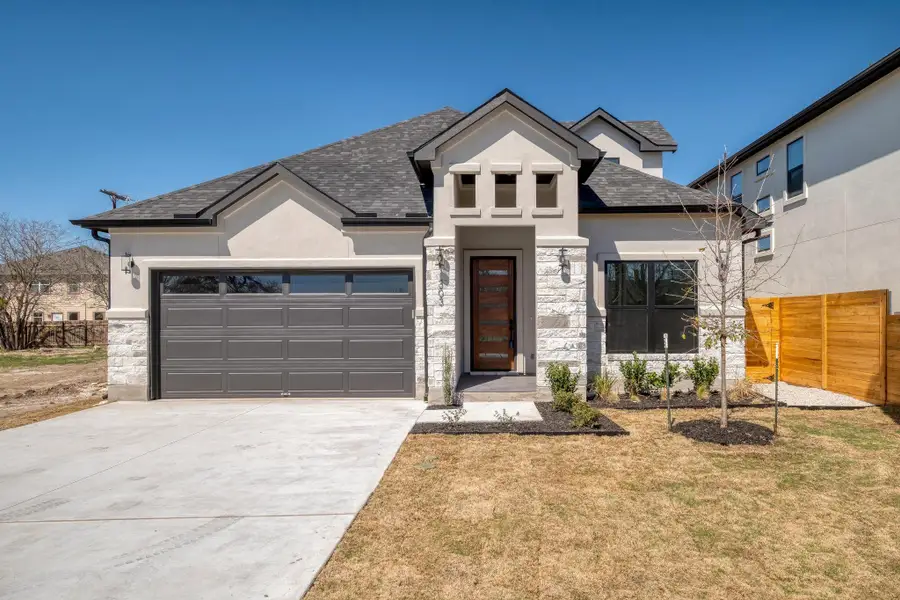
723,391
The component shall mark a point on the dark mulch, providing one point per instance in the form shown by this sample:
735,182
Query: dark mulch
554,423
737,433
680,400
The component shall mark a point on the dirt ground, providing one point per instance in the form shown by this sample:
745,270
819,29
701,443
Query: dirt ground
37,385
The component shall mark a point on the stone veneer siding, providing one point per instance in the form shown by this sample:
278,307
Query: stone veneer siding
561,310
127,358
440,300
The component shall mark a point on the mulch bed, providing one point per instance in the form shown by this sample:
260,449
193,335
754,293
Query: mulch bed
680,400
737,433
554,423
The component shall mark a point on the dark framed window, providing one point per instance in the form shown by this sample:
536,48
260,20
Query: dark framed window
189,284
795,167
253,284
379,283
37,317
644,300
319,283
762,165
72,316
74,287
764,204
99,316
612,159
737,187
764,243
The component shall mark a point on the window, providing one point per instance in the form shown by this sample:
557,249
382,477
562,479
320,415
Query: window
546,190
737,187
56,317
504,190
74,287
99,316
72,316
762,165
41,287
190,284
253,284
319,283
795,167
644,300
764,243
764,204
380,283
37,317
612,159
465,190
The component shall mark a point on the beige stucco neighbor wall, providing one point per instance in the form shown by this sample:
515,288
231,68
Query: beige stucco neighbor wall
60,300
278,228
843,233
618,145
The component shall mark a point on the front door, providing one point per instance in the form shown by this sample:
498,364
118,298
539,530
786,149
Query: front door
493,314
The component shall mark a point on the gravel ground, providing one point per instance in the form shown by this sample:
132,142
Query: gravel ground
795,395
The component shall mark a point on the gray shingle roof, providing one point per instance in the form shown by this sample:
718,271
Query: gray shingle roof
617,187
654,131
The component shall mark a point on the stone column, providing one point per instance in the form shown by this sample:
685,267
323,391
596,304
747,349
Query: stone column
561,310
127,359
441,299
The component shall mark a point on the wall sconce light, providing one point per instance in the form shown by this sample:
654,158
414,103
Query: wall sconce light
563,261
442,264
127,262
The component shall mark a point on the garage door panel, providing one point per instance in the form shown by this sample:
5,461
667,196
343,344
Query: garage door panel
272,316
190,382
256,349
207,349
380,348
383,316
377,381
331,316
204,316
254,382
316,349
312,382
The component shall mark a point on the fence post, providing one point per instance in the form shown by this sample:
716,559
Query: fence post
775,430
666,375
824,341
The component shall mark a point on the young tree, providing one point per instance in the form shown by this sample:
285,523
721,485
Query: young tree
723,279
29,267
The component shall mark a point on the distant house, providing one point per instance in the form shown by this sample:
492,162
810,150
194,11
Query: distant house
73,289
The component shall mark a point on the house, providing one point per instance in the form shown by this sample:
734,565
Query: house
827,179
500,238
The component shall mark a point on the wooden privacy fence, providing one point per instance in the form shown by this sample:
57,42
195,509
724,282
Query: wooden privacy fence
71,333
844,343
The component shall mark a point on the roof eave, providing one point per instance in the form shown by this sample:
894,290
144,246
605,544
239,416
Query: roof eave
646,144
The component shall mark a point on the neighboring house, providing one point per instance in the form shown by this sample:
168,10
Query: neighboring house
828,179
501,236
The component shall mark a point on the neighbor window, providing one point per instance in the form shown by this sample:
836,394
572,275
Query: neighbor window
55,317
505,190
99,316
319,283
612,159
72,316
737,187
646,299
764,244
546,190
37,317
74,287
41,287
253,284
379,283
764,204
795,167
190,284
762,165
465,190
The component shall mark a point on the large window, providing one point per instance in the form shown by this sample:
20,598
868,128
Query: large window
644,300
41,287
737,187
795,167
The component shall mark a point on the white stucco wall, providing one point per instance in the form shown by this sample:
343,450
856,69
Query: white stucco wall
618,145
843,234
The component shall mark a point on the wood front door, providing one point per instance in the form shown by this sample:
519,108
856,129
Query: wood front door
493,314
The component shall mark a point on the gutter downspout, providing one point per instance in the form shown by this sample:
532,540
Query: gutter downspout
96,235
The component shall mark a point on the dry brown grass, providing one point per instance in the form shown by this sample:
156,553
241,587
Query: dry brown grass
47,412
651,515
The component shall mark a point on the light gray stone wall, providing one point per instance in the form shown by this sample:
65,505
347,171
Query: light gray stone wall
127,359
421,379
441,303
561,310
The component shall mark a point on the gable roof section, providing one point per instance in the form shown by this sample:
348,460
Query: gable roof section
651,135
586,152
846,90
369,174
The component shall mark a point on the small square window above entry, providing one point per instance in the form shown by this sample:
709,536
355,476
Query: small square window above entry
546,190
465,190
505,190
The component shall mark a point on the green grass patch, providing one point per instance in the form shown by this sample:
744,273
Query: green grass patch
34,358
858,436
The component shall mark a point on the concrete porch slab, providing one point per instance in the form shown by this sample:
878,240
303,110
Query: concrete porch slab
483,412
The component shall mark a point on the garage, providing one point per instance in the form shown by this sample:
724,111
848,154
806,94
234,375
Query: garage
331,334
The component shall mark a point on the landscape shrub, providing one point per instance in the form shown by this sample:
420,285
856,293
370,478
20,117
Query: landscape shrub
635,376
702,373
561,378
671,373
565,401
604,385
584,415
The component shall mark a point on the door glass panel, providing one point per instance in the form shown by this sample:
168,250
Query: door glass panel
318,283
380,283
488,272
493,338
493,355
253,284
190,284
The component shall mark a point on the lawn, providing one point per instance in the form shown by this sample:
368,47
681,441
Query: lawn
39,358
651,515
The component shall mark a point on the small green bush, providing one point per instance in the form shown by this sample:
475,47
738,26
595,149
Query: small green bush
658,380
703,373
635,376
561,378
564,401
604,385
584,415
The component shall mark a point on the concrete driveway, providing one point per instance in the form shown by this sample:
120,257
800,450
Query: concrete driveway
188,499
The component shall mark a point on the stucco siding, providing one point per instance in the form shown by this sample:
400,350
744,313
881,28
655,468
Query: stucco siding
618,145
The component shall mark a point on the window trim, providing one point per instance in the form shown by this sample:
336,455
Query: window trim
76,284
651,305
43,286
102,315
768,157
37,316
765,233
766,211
802,192
739,198
53,318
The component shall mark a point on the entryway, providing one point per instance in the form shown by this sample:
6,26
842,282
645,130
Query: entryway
493,314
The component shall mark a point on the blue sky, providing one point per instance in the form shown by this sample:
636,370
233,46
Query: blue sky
145,98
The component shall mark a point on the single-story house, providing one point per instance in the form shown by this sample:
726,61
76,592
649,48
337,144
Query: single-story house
501,238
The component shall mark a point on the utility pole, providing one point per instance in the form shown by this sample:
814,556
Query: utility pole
115,197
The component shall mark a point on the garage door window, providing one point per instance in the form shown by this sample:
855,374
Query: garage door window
253,284
380,283
190,284
319,283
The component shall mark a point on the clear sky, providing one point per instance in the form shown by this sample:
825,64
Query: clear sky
148,97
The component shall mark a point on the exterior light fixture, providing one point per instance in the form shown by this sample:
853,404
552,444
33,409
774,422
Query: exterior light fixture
127,262
563,261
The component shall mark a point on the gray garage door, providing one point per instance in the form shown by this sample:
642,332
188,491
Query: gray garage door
293,334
